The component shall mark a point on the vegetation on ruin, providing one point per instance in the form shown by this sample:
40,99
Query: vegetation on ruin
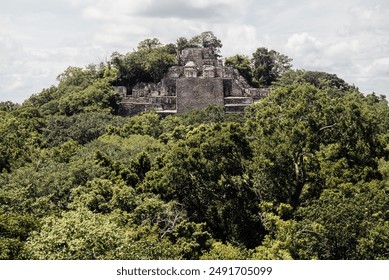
303,174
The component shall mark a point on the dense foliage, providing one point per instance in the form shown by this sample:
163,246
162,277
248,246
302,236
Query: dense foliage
303,174
264,69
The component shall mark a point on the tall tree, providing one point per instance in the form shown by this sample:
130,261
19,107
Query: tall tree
182,43
269,65
149,44
148,64
206,40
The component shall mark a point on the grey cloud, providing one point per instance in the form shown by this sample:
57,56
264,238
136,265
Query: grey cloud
36,6
92,29
185,10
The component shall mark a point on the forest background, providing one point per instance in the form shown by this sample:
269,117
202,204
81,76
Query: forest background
302,174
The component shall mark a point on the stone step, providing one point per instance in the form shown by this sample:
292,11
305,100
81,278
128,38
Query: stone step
238,100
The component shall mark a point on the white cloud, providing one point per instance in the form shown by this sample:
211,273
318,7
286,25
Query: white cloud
306,51
361,13
303,43
24,71
378,67
349,38
12,82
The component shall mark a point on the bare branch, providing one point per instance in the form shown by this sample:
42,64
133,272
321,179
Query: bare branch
327,126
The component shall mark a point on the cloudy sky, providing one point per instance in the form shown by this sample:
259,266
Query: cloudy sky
41,38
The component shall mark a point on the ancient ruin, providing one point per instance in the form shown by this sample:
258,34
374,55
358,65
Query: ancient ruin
198,80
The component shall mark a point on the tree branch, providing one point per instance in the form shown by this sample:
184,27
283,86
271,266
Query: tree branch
327,126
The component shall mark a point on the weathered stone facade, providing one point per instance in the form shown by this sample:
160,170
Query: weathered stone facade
200,79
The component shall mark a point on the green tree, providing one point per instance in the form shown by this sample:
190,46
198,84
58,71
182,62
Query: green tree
38,189
20,137
158,62
205,40
304,140
345,223
130,68
149,44
46,101
82,127
205,172
148,64
8,106
147,123
103,196
268,66
220,251
97,96
83,235
320,80
182,43
79,90
14,230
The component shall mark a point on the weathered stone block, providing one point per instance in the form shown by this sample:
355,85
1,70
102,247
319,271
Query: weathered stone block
199,80
195,93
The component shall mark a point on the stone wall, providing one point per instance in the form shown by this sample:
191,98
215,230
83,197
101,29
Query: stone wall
130,108
164,102
199,93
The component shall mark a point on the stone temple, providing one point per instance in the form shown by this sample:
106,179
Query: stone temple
199,79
